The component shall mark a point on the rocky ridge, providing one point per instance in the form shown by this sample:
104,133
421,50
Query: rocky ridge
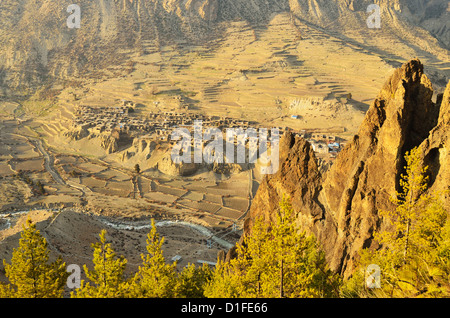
341,207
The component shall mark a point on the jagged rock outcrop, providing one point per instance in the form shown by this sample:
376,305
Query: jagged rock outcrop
168,167
342,207
227,168
298,177
144,147
109,143
77,133
436,151
367,172
114,141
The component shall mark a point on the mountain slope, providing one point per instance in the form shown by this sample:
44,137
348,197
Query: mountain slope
38,48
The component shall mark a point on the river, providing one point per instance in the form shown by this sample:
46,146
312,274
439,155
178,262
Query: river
131,226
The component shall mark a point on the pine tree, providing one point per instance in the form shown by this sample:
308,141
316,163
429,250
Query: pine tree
107,279
411,213
418,221
30,274
299,266
155,278
276,260
5,291
40,187
415,257
191,281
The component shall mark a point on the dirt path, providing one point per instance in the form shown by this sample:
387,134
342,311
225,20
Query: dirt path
48,164
48,161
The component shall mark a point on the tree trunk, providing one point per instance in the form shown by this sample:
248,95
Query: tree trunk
405,251
259,285
281,279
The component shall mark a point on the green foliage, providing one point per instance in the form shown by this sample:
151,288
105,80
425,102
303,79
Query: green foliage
5,291
155,278
30,274
107,279
415,225
191,281
415,259
38,187
275,261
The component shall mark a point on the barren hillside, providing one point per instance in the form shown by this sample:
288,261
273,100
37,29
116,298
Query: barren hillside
38,48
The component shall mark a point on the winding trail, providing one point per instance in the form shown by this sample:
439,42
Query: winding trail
48,163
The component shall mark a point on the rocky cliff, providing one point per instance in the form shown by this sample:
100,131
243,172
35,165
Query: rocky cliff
341,207
436,150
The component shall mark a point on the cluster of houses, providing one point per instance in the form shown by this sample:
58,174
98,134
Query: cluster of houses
101,119
157,126
323,143
326,144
